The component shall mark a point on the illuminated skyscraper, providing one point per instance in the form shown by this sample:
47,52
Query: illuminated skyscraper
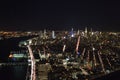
86,32
72,33
78,32
53,34
44,34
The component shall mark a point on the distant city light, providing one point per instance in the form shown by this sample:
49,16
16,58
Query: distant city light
92,33
93,49
72,35
64,37
67,59
10,56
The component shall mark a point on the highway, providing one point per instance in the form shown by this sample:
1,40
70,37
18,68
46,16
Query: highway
33,66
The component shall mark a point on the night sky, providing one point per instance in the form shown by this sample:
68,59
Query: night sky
60,15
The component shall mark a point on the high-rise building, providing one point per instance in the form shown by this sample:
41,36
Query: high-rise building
53,34
44,34
86,32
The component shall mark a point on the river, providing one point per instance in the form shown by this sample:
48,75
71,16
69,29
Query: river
13,72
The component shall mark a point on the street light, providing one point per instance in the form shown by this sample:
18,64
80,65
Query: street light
93,49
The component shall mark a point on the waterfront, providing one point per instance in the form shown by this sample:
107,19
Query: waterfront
9,70
13,72
66,55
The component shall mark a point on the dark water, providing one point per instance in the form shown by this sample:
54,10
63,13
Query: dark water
11,44
13,72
